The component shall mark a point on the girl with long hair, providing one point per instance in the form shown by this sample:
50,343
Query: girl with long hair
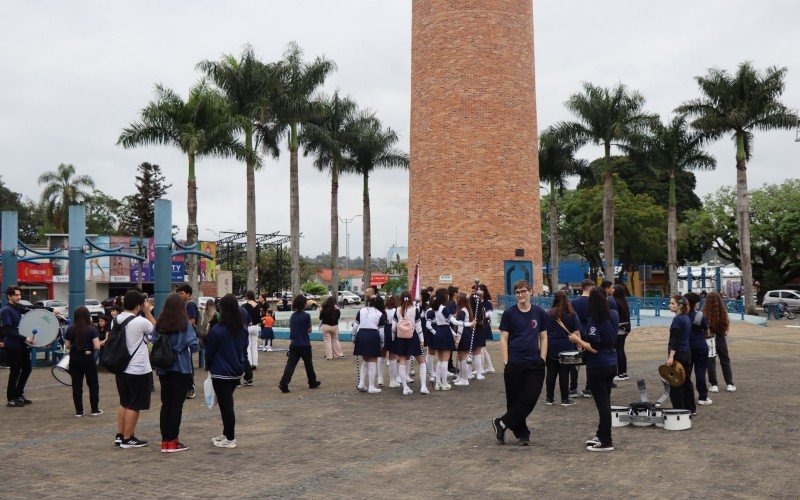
226,357
680,331
387,356
464,320
718,325
601,363
624,327
299,345
329,316
486,362
253,310
699,347
82,339
177,379
443,342
407,317
367,331
562,321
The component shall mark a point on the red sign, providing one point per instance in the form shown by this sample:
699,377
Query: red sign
378,279
28,272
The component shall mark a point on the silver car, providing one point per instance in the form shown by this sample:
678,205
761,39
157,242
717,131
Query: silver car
791,297
95,308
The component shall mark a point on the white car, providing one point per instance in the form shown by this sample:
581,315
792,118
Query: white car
57,306
201,302
348,297
95,308
791,297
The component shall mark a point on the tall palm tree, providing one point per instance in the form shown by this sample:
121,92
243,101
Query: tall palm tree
670,150
63,188
248,84
200,126
295,107
327,137
557,163
607,117
372,148
739,104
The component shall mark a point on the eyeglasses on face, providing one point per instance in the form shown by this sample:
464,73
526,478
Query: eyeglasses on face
521,291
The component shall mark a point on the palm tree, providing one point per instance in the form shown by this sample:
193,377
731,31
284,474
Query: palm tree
327,137
607,117
372,147
248,84
739,104
200,126
63,188
295,107
557,163
670,150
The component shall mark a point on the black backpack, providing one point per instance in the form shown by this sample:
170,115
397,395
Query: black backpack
162,356
115,357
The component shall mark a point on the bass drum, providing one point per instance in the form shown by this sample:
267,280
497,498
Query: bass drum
677,420
616,413
40,324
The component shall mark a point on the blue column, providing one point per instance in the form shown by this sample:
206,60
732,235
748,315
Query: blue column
689,278
9,236
719,279
163,240
77,258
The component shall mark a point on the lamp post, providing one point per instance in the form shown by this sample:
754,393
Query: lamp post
347,223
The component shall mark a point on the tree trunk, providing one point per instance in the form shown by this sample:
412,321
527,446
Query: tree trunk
367,235
608,217
191,227
672,243
553,241
743,221
294,210
335,229
252,265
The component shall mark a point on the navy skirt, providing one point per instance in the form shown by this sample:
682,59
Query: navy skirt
487,331
387,337
480,336
368,343
267,333
466,337
407,347
443,339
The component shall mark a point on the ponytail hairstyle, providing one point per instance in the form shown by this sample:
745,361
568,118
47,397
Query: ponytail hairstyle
622,302
81,320
391,302
229,315
378,303
561,305
405,302
683,304
439,298
424,299
485,290
463,303
693,299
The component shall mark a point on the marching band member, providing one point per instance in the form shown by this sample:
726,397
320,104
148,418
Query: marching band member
442,341
562,321
367,330
699,347
478,335
624,325
680,331
486,360
408,338
388,340
718,324
464,321
380,305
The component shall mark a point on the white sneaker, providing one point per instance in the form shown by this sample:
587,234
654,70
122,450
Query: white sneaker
618,379
224,443
380,382
361,388
704,401
424,390
713,388
432,379
461,382
407,391
479,377
489,370
394,383
269,348
446,387
731,388
438,386
221,437
373,390
451,374
471,376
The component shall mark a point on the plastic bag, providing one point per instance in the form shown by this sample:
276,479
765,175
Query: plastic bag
208,393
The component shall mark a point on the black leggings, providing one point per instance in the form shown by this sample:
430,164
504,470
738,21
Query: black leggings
224,388
700,362
19,362
682,397
724,361
599,379
83,366
173,394
622,359
556,369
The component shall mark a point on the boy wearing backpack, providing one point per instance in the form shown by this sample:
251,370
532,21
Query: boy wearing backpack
133,383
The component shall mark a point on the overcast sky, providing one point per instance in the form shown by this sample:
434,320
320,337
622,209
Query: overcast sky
75,73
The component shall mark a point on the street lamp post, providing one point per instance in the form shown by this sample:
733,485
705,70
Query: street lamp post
347,223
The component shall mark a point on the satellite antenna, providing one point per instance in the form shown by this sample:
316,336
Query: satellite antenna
40,324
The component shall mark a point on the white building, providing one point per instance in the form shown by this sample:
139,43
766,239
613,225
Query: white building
394,251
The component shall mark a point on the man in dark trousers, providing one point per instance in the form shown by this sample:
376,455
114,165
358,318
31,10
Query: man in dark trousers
523,345
581,306
193,312
16,347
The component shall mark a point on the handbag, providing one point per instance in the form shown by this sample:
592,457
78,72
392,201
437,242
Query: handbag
579,358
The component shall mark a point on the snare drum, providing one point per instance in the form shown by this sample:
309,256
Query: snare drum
571,358
677,420
658,413
712,347
616,413
641,414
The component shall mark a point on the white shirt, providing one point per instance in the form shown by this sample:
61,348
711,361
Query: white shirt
135,332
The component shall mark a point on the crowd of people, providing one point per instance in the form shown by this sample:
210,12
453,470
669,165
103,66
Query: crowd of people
444,331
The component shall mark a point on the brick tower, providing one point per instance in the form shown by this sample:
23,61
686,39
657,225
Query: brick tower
474,172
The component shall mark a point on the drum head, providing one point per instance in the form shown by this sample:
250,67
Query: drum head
61,371
41,324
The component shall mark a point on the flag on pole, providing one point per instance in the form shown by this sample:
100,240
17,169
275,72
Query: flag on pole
415,286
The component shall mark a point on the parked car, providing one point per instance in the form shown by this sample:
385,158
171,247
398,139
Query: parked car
791,297
95,308
57,306
201,302
348,297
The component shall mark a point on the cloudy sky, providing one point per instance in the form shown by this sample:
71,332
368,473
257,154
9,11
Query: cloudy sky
75,73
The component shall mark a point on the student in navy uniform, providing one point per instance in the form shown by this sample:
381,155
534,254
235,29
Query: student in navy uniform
451,310
698,347
680,331
405,348
82,340
367,330
299,345
386,349
624,313
487,328
608,290
581,306
523,343
562,321
464,321
601,363
16,347
718,324
427,317
442,343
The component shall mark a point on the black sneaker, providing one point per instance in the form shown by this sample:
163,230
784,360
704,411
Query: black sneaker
567,402
284,389
600,447
524,441
191,394
315,385
574,394
24,400
132,442
586,393
118,440
14,403
613,385
247,383
499,431
550,402
591,442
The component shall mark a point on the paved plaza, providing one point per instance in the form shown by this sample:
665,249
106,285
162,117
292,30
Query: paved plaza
335,442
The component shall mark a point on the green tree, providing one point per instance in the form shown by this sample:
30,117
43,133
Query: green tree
557,163
295,107
140,206
739,104
371,148
668,150
103,213
248,85
313,288
29,214
326,136
607,117
63,188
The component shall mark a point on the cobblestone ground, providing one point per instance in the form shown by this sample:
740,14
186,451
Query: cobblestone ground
336,442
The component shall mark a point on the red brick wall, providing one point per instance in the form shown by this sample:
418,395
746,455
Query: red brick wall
474,173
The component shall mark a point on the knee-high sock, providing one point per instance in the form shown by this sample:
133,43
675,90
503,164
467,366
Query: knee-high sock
487,359
437,372
362,374
392,370
443,372
478,362
430,362
423,376
464,370
403,377
381,363
371,369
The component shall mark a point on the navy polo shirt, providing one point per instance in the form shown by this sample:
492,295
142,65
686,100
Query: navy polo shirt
523,333
612,303
299,324
557,337
697,340
581,306
192,311
680,331
603,338
87,343
9,319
